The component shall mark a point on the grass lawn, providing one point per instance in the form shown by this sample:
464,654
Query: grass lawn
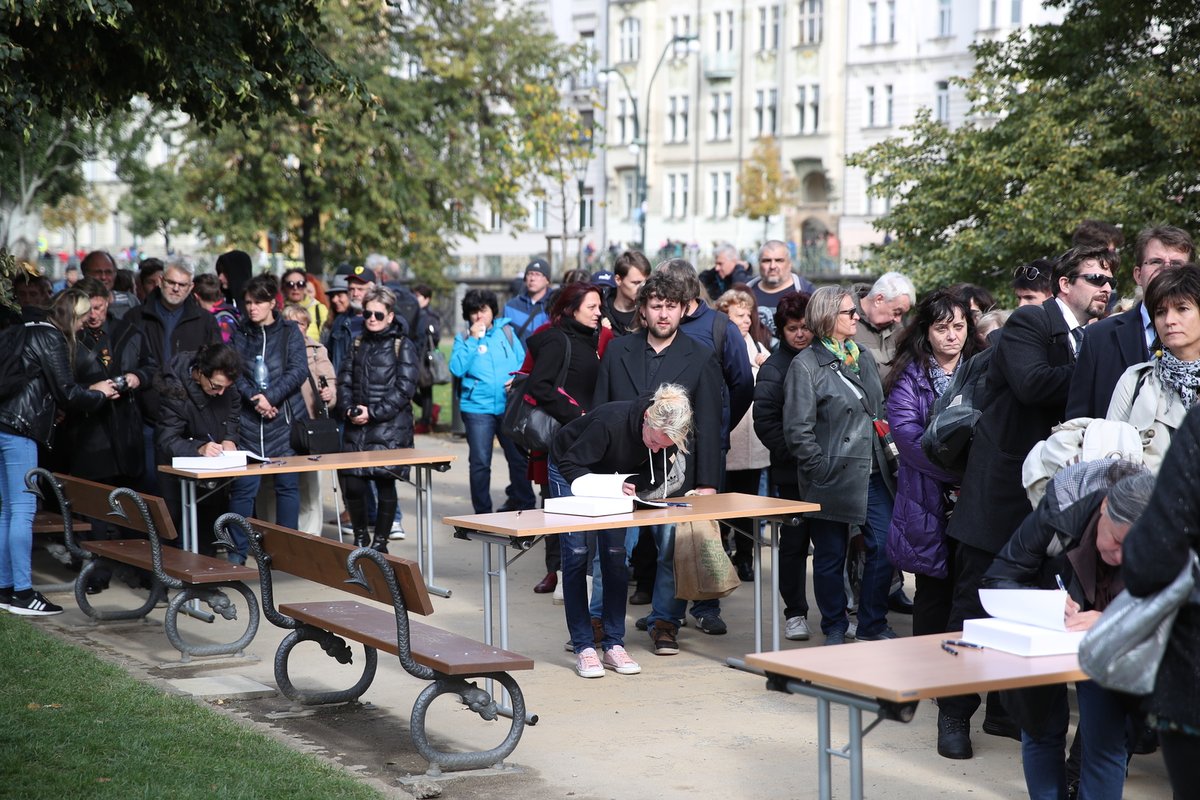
74,726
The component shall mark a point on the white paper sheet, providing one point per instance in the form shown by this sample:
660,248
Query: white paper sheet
1043,608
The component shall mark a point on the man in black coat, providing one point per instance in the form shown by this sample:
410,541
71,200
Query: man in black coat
1026,394
727,270
172,322
1113,345
639,363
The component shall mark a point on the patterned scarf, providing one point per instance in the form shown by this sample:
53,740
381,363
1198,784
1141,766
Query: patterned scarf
846,353
938,377
1182,376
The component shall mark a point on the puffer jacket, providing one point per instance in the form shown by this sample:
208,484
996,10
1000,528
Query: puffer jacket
196,328
380,372
485,366
282,347
917,538
831,435
107,443
50,386
189,418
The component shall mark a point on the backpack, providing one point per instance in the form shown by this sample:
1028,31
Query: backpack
13,374
952,419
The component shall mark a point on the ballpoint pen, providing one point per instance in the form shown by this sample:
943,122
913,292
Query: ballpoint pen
960,643
949,649
1058,579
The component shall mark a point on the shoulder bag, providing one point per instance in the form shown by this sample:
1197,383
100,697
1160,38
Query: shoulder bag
523,422
1123,650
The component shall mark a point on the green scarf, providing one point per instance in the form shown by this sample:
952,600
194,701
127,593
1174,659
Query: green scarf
847,353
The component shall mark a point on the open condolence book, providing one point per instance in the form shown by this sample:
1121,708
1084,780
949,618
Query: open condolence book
598,496
1027,622
229,459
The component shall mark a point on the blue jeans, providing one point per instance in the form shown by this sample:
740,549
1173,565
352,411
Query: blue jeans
663,603
241,501
481,430
1102,732
829,540
614,571
596,606
18,455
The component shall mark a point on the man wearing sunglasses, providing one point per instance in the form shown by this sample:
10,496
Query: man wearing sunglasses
1029,375
1117,343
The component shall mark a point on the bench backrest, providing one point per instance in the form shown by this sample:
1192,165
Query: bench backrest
91,500
323,561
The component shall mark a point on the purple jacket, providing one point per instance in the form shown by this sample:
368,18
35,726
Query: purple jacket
916,541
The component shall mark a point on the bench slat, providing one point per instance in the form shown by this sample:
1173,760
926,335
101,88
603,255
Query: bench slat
187,567
49,522
91,500
445,652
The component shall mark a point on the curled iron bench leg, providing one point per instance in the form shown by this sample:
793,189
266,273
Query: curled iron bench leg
219,602
157,592
335,647
481,703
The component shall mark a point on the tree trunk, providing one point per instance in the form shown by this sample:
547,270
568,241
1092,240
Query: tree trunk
310,228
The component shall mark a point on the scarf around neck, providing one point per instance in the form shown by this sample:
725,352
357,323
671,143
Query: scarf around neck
847,353
1181,376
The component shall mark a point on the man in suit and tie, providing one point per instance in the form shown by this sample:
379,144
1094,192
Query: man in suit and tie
1117,343
637,364
1027,383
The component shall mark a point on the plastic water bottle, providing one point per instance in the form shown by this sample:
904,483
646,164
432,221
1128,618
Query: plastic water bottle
261,377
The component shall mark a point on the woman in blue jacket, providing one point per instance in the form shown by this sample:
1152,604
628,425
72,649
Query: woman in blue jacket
483,359
270,403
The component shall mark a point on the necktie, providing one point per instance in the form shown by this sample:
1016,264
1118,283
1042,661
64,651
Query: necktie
1077,335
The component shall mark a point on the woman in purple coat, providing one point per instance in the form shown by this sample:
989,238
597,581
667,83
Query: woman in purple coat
939,339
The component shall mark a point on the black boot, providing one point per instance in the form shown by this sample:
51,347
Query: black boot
357,506
385,515
362,537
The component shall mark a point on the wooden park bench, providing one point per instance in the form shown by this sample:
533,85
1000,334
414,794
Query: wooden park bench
194,576
446,659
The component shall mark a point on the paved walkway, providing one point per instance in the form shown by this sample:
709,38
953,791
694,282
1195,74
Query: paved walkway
688,726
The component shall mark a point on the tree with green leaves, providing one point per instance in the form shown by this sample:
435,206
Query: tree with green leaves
763,186
72,212
456,87
1091,118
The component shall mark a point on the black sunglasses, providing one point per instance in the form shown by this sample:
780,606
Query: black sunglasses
376,315
1096,279
1027,272
295,284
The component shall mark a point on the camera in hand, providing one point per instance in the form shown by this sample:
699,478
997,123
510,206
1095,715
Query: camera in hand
356,411
121,383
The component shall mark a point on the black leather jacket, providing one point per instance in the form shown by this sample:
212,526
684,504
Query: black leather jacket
31,411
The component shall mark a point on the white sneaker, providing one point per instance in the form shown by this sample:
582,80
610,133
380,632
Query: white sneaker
397,532
587,664
616,659
796,629
852,630
557,597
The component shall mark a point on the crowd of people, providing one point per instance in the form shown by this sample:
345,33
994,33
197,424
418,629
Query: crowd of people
824,394
114,375
740,378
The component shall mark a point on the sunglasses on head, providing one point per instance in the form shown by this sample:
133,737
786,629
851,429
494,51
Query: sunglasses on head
1027,272
379,316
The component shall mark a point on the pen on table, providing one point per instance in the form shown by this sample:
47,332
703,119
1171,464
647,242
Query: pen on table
949,649
1058,579
678,505
960,643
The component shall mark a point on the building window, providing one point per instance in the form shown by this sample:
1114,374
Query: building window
872,22
768,28
887,100
495,222
721,193
942,108
766,111
537,216
891,14
727,193
870,106
586,77
721,115
630,40
811,13
587,210
877,205
678,106
723,31
681,25
808,108
944,20
1016,13
677,194
727,116
629,192
622,127
685,126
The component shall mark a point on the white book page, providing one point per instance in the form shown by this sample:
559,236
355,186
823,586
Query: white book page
595,485
1043,608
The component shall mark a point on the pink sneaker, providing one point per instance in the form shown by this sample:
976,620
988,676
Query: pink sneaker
588,665
616,659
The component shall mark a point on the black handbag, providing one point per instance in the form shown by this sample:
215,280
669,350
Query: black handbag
322,434
523,421
433,369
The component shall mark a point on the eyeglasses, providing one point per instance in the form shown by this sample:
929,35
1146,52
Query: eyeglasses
1096,279
295,284
176,284
378,316
1027,272
849,312
213,387
1159,263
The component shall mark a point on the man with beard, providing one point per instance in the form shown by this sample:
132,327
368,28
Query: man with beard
775,281
1027,383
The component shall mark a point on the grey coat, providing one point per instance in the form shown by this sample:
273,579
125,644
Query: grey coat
831,435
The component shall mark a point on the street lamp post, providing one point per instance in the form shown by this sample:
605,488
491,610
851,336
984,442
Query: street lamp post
637,132
642,162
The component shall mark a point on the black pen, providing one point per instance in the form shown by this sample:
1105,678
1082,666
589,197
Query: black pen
959,643
678,505
949,649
